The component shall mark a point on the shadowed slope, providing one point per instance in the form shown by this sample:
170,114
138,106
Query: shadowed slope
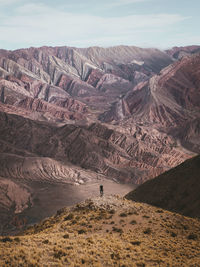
176,190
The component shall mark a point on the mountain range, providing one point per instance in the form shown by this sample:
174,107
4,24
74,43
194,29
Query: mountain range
79,116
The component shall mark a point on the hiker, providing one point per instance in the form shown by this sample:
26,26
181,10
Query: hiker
101,190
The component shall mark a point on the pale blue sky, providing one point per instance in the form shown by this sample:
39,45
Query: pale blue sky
83,23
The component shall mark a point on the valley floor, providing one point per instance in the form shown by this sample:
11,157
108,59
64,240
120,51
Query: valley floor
48,198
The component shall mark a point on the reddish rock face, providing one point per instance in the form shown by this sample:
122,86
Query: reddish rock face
167,101
93,77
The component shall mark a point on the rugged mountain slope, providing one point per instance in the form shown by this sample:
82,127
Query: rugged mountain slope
107,231
95,76
175,190
167,98
183,51
95,147
168,101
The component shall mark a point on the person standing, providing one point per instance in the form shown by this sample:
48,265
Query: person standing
101,190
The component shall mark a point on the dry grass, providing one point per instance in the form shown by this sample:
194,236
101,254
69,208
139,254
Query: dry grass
87,238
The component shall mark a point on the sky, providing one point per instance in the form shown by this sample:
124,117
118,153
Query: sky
83,23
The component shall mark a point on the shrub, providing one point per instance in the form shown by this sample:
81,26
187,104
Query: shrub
66,236
81,231
146,216
46,241
112,211
123,214
69,217
59,253
140,264
133,222
118,230
192,236
6,239
159,211
135,243
185,227
115,256
173,234
83,224
147,231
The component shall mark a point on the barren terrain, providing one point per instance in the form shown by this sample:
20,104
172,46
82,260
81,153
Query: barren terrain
71,117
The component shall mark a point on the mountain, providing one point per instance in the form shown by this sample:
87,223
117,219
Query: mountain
168,102
176,190
37,77
73,118
106,231
183,51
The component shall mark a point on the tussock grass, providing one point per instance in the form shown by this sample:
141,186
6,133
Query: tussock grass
171,240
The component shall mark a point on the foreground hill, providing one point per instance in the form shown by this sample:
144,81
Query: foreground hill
107,231
176,190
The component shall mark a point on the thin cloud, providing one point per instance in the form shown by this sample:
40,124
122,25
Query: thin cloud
37,24
8,2
126,2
